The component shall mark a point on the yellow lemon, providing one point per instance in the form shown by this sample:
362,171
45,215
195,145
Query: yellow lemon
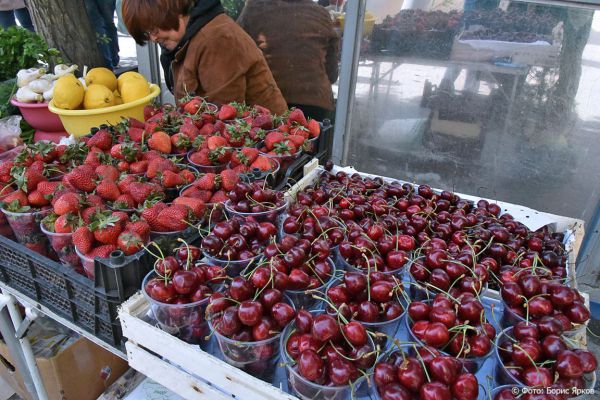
68,92
101,76
98,96
133,89
127,76
118,99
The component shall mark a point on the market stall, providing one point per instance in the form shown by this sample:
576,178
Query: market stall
221,253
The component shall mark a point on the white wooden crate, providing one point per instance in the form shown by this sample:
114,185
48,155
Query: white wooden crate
184,368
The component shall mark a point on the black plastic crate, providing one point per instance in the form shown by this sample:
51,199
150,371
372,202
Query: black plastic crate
65,292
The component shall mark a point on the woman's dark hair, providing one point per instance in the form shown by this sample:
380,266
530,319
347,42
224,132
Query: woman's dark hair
143,16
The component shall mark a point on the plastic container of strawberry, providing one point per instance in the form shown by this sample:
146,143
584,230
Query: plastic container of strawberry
26,228
215,169
62,244
173,192
284,160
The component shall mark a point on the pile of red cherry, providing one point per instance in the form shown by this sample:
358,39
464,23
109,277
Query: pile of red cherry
373,249
238,239
246,313
312,223
254,198
183,279
326,351
536,355
532,295
458,328
428,375
294,264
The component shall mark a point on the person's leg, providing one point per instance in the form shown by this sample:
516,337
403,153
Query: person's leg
7,19
107,12
97,22
24,18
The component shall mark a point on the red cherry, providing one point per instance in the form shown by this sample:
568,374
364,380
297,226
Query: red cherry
524,329
341,371
229,323
240,289
355,332
418,310
536,376
588,360
568,364
383,374
538,307
283,314
436,335
435,391
185,281
444,315
324,327
465,387
310,365
577,313
552,345
303,321
393,391
250,312
442,369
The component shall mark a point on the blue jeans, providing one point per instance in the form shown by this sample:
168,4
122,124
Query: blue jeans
7,18
101,14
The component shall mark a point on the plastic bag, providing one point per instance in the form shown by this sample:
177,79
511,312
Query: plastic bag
10,133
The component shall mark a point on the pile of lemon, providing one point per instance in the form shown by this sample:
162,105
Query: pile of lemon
98,89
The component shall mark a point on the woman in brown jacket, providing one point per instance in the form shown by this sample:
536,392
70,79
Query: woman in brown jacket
301,47
204,51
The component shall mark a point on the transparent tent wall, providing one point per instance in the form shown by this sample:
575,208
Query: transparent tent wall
491,98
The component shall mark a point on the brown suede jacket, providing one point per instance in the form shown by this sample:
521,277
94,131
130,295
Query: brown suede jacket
300,45
221,62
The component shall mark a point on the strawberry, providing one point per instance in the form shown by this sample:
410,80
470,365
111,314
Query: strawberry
130,243
83,178
83,239
245,156
139,167
108,190
297,140
179,141
140,191
135,123
207,129
67,203
102,251
125,182
37,199
219,197
214,142
170,179
263,163
38,166
123,166
65,223
187,176
174,218
140,228
160,165
161,142
227,112
94,200
48,188
88,213
150,110
241,169
136,134
106,228
195,204
5,167
95,157
221,155
272,138
189,130
150,214
200,157
314,128
107,172
206,182
124,202
193,105
129,152
203,195
263,121
228,179
122,216
297,116
28,178
285,147
101,139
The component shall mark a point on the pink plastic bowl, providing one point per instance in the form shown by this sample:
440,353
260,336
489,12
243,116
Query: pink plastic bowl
39,117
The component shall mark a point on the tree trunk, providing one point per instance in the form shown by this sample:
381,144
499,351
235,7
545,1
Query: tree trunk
65,25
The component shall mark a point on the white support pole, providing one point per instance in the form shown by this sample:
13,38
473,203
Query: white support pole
353,28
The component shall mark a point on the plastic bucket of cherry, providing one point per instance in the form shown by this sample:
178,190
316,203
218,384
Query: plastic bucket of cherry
273,215
186,321
26,228
512,374
62,244
385,329
258,358
309,390
233,268
471,364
